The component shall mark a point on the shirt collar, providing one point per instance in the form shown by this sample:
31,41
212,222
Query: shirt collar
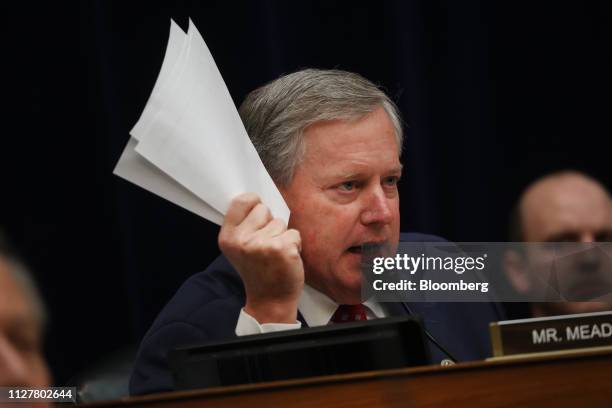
317,308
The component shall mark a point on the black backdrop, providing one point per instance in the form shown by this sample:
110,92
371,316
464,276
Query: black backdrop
494,94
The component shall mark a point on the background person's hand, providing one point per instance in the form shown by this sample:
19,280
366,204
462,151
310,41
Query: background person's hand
267,256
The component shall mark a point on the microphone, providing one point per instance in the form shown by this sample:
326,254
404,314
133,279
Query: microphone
430,337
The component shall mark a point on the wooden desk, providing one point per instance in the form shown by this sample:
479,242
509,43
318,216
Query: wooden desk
577,379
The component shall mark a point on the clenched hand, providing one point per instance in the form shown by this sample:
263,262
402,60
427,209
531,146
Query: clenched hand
267,256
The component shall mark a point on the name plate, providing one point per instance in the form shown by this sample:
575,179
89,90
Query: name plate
553,333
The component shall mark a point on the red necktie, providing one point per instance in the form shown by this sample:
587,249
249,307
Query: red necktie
349,313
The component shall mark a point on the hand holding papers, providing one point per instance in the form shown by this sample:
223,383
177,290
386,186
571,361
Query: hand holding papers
189,145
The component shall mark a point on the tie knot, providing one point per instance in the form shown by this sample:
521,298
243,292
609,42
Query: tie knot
349,313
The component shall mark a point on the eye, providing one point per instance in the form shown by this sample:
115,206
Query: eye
604,236
391,181
348,186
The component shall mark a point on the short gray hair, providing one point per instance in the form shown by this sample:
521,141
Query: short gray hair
276,115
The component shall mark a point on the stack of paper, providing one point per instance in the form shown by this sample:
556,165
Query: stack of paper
189,145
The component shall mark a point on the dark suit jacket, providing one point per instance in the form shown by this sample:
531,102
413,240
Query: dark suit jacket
208,304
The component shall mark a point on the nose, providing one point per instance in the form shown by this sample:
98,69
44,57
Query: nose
587,237
13,370
377,208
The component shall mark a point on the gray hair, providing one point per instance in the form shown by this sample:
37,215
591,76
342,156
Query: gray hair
276,115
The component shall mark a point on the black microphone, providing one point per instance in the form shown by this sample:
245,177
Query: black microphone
430,337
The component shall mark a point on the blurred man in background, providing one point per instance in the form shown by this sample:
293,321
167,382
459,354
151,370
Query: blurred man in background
567,207
22,318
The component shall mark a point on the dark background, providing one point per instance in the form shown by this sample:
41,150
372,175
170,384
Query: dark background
494,94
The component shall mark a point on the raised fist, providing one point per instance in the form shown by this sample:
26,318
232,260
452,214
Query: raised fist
267,256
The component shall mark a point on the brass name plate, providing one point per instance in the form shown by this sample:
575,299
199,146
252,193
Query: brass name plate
551,333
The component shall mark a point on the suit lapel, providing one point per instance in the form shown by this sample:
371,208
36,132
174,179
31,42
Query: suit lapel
394,309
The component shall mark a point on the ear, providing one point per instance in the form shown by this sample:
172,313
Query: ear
516,271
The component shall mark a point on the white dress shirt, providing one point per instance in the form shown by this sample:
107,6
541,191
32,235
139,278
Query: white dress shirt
316,308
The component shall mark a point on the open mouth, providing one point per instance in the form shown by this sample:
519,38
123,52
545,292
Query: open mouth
368,247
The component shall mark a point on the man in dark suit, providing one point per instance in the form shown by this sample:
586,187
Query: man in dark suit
331,141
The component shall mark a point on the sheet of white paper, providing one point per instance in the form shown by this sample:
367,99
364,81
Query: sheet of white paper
137,170
173,62
198,139
163,104
134,168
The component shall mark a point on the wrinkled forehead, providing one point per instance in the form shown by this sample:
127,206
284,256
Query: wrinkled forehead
370,135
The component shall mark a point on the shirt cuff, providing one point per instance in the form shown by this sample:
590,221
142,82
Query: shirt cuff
247,324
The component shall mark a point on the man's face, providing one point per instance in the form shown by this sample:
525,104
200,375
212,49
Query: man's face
571,209
21,361
344,194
